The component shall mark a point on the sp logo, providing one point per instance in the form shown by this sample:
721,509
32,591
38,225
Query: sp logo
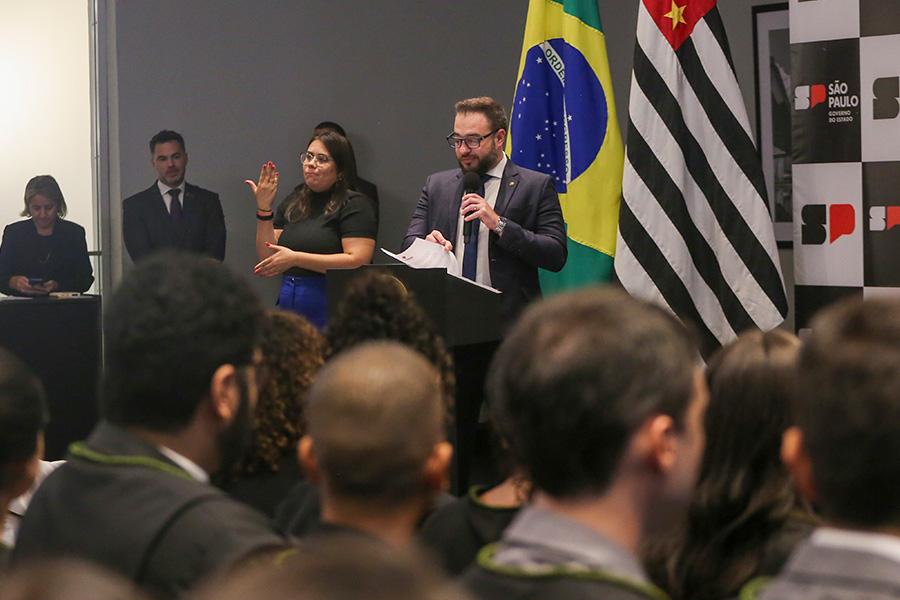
821,222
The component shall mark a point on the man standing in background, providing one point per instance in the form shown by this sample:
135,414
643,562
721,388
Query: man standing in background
172,213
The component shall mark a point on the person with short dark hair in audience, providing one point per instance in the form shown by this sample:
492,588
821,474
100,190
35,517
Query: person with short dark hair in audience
67,580
602,398
172,214
375,442
745,517
340,567
844,455
357,183
322,224
375,306
177,401
293,352
44,253
23,417
462,527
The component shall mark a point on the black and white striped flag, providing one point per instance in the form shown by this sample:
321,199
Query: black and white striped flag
695,233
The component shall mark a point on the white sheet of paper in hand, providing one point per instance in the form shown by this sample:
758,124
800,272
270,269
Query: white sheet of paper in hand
423,254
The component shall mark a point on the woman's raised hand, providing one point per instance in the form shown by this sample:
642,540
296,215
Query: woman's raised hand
265,189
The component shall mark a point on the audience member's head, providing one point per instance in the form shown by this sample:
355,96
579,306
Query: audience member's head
293,352
43,189
744,495
341,567
375,439
844,452
23,417
377,306
595,387
66,580
181,345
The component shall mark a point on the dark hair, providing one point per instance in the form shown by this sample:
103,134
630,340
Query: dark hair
174,319
848,408
44,185
166,135
577,376
377,306
339,566
329,126
744,494
297,204
23,412
491,109
293,352
361,400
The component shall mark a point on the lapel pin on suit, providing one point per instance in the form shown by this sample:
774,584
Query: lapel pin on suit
512,183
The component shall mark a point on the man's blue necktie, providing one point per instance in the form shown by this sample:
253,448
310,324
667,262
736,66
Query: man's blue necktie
470,252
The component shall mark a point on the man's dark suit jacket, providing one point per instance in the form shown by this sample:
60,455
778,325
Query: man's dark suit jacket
121,503
535,234
147,225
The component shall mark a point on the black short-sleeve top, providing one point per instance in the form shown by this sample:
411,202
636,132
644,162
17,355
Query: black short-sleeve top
319,233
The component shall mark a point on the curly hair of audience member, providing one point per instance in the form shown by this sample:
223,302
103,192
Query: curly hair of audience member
293,352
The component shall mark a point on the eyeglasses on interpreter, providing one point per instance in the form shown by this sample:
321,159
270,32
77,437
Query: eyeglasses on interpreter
472,141
319,159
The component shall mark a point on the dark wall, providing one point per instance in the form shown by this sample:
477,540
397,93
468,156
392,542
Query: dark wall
245,81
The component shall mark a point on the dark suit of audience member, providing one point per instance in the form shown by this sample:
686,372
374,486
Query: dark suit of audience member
458,530
176,407
171,213
148,225
119,502
61,256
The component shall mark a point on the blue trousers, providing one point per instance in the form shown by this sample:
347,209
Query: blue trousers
306,297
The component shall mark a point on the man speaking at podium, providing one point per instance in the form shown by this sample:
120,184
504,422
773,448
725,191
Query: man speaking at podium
502,221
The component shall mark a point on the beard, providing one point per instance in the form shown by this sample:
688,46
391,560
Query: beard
236,439
483,165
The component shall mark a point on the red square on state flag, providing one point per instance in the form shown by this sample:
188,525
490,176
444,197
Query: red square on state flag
676,18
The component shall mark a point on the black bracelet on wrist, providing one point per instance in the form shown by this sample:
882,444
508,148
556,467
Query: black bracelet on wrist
267,217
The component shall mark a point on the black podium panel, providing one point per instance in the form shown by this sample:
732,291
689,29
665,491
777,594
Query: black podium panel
59,339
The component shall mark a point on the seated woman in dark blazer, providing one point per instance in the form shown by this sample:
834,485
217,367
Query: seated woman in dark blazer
44,253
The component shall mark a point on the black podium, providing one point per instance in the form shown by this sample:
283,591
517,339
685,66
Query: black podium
467,317
59,339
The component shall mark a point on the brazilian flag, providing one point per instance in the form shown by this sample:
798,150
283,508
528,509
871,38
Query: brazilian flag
563,123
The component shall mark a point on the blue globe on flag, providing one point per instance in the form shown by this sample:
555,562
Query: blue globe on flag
559,115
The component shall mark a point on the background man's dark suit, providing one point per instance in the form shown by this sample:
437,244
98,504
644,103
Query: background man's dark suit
535,235
148,227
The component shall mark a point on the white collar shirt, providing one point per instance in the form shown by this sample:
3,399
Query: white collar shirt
189,466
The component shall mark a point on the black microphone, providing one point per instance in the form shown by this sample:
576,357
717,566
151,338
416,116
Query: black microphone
471,185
